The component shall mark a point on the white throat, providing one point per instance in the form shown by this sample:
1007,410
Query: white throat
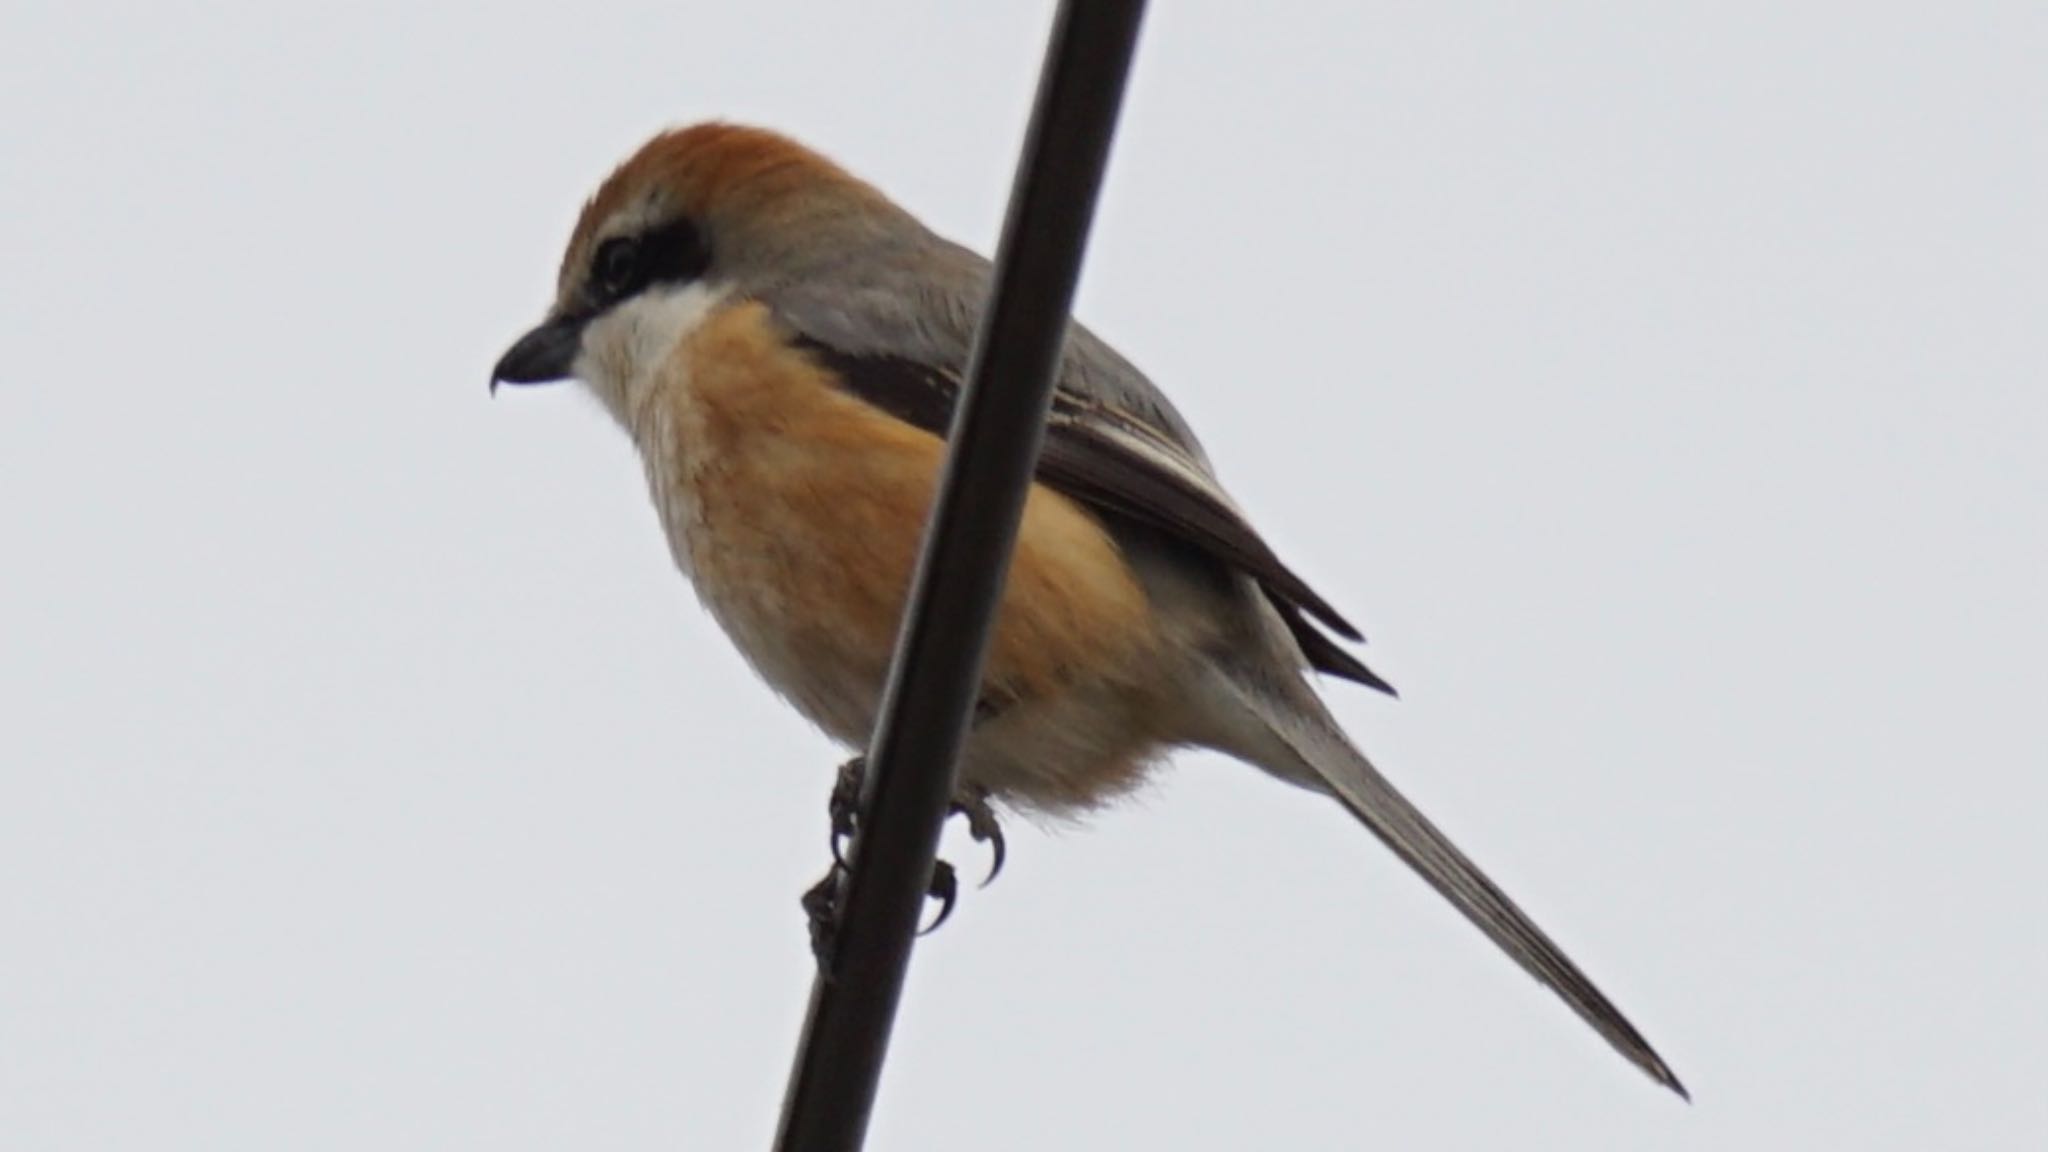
625,350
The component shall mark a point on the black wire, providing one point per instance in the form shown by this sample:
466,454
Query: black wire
937,671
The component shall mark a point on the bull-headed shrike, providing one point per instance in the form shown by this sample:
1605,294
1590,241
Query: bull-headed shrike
784,344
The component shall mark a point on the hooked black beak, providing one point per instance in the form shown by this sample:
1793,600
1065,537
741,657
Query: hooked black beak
542,356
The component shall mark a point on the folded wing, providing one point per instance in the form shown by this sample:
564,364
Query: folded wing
1111,461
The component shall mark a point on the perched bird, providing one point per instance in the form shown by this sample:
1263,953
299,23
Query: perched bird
784,344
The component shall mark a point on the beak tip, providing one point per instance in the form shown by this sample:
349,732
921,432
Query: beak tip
542,356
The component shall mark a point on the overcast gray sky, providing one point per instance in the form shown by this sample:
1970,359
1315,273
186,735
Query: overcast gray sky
1663,391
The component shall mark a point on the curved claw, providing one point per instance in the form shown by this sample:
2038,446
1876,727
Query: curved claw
995,866
985,829
945,888
844,807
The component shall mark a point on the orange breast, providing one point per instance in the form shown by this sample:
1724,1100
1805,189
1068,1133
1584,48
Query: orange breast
809,506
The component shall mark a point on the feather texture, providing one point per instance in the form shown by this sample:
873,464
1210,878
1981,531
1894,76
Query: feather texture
1111,461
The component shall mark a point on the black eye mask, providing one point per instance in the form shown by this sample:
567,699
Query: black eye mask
624,266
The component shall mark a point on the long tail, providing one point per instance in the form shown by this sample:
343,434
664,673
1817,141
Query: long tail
1315,741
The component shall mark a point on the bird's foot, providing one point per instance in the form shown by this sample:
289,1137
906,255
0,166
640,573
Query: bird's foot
844,806
844,810
822,907
824,903
983,826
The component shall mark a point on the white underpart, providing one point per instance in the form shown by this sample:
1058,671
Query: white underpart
628,355
625,350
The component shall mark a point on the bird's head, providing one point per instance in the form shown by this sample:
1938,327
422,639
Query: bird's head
697,217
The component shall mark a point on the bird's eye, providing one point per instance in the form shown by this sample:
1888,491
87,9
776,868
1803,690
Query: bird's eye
615,270
672,253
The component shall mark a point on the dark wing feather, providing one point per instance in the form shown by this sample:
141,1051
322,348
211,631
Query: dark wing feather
1324,654
1106,459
